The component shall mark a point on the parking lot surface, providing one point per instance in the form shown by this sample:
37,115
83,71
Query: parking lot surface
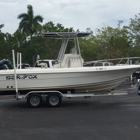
96,118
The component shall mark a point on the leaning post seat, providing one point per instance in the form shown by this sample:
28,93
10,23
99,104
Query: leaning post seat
70,61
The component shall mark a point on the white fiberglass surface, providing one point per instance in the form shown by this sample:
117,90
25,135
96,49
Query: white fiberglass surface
60,70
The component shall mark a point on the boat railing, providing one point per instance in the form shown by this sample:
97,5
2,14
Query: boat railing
120,61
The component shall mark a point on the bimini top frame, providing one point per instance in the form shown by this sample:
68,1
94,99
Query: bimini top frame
66,36
71,35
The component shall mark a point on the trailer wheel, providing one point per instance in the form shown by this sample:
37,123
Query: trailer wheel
54,100
34,100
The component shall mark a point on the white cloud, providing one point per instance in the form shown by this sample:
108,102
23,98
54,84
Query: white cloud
79,14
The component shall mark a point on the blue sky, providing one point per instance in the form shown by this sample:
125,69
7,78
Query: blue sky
79,14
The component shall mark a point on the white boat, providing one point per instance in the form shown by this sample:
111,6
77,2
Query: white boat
68,74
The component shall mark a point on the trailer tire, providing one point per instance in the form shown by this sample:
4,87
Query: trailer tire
53,100
34,100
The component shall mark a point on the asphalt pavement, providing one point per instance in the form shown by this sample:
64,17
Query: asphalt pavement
96,118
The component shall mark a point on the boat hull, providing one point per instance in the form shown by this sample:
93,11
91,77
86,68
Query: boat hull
89,79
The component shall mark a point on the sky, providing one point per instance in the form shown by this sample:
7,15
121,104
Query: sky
79,14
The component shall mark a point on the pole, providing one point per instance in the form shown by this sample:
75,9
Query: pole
20,59
17,59
16,86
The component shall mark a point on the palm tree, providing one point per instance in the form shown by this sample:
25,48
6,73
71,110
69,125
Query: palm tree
29,22
1,26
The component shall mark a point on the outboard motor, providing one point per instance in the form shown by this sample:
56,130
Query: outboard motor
9,64
4,62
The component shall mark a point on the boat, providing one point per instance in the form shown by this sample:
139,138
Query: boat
67,75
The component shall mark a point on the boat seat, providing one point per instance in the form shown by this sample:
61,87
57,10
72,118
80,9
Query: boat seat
70,61
43,65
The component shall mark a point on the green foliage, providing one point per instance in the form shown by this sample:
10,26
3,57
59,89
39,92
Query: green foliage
51,27
2,46
29,25
1,26
52,46
89,49
113,42
134,30
107,43
29,22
